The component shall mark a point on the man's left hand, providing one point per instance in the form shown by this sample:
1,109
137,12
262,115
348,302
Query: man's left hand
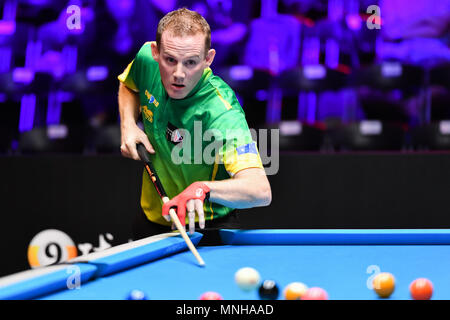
191,198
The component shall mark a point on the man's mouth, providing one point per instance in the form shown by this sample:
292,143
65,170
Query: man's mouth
178,86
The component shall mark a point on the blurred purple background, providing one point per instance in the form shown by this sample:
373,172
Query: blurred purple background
331,75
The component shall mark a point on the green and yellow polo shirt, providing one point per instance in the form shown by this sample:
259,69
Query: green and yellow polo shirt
203,137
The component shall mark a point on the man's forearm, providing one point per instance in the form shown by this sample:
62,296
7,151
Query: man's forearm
131,134
128,106
241,193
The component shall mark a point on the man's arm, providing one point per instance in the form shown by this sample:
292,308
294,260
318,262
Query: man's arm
248,188
131,134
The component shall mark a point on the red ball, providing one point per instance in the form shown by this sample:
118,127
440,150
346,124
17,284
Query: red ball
315,293
211,295
421,289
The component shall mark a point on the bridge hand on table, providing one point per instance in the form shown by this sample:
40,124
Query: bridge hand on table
191,199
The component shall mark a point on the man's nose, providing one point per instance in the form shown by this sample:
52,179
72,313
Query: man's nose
179,72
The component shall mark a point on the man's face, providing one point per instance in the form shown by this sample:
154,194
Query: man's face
181,62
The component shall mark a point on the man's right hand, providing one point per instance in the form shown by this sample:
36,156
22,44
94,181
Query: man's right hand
131,136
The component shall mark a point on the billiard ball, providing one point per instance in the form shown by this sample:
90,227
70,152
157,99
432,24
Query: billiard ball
421,289
211,295
268,290
137,295
384,284
315,293
247,278
294,291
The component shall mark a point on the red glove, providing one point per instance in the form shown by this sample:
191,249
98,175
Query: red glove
197,190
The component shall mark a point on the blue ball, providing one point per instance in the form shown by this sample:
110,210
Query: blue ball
137,295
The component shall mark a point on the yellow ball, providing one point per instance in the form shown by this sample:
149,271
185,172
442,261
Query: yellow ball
384,284
294,291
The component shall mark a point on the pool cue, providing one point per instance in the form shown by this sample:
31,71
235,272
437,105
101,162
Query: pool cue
162,193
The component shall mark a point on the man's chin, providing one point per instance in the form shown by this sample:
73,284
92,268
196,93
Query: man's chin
177,95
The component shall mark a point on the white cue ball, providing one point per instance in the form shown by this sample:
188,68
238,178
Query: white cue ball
247,278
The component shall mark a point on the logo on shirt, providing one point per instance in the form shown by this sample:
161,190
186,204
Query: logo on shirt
173,134
248,148
148,114
151,99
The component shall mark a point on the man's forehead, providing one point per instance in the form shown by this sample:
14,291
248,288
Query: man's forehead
186,44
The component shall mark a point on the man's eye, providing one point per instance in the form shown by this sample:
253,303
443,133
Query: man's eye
191,62
171,60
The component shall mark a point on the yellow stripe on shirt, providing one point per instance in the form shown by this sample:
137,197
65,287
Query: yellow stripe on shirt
225,102
127,80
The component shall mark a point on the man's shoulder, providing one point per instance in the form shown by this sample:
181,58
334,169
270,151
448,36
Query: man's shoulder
146,68
220,103
219,84
145,52
219,92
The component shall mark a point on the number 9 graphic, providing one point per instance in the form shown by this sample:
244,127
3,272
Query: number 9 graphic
375,270
50,247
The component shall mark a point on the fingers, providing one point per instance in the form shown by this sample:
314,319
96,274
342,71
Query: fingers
131,137
124,151
168,219
148,145
133,151
200,212
168,204
129,149
190,206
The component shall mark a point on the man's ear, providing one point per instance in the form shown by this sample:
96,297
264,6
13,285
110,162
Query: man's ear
155,51
210,57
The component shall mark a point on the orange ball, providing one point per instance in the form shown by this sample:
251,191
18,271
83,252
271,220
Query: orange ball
421,289
294,291
384,284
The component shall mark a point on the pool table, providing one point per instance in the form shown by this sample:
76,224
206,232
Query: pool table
341,261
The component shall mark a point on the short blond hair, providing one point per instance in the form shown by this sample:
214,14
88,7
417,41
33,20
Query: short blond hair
184,22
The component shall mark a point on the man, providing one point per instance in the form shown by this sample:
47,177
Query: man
171,84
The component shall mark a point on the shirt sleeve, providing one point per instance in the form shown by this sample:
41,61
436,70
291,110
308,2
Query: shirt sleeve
127,77
142,67
238,150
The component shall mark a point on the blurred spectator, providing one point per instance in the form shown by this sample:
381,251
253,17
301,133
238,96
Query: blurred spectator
55,36
311,9
412,33
135,22
415,32
330,36
229,21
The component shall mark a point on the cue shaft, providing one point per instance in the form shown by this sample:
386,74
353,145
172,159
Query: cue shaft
162,193
182,230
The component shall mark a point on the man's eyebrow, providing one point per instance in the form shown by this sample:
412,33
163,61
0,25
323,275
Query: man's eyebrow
195,56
